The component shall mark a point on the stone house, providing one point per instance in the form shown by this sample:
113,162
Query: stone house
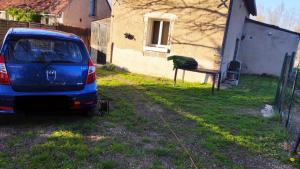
75,13
143,33
203,29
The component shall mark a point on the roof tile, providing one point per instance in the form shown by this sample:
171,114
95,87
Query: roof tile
46,6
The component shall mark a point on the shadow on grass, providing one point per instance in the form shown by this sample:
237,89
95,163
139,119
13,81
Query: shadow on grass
223,120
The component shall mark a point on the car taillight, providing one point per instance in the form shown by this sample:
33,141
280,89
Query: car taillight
91,72
4,79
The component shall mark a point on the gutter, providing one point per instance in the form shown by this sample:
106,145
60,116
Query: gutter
226,35
272,26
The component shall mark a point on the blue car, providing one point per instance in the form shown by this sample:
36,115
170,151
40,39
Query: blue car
43,70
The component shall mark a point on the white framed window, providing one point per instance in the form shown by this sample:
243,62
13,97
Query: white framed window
159,33
158,29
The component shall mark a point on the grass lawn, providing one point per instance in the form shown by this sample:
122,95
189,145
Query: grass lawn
154,125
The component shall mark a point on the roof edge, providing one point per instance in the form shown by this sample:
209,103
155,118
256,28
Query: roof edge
59,12
272,26
109,4
251,6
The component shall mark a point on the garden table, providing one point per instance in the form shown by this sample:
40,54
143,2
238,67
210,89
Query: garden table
213,73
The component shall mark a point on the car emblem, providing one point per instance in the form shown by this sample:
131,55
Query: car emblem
51,75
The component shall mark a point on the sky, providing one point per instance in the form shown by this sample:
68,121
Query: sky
109,1
290,4
293,6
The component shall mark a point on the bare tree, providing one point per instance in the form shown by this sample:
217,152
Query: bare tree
279,16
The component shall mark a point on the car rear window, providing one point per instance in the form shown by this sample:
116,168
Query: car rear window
31,50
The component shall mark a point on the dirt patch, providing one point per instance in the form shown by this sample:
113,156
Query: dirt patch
140,163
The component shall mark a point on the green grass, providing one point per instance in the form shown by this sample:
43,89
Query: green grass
213,128
219,116
156,165
109,164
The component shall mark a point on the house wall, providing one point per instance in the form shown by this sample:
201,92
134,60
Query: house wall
197,31
235,31
77,13
263,48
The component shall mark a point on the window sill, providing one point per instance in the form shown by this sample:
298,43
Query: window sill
156,49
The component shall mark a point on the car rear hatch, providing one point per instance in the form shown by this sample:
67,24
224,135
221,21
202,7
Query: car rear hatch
37,65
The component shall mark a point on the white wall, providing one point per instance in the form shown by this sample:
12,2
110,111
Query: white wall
154,66
263,49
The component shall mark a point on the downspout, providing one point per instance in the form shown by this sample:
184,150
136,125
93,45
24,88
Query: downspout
225,35
111,34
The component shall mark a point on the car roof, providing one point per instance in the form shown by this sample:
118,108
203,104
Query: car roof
41,33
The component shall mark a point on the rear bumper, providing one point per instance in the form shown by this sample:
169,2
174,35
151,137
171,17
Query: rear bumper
86,97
